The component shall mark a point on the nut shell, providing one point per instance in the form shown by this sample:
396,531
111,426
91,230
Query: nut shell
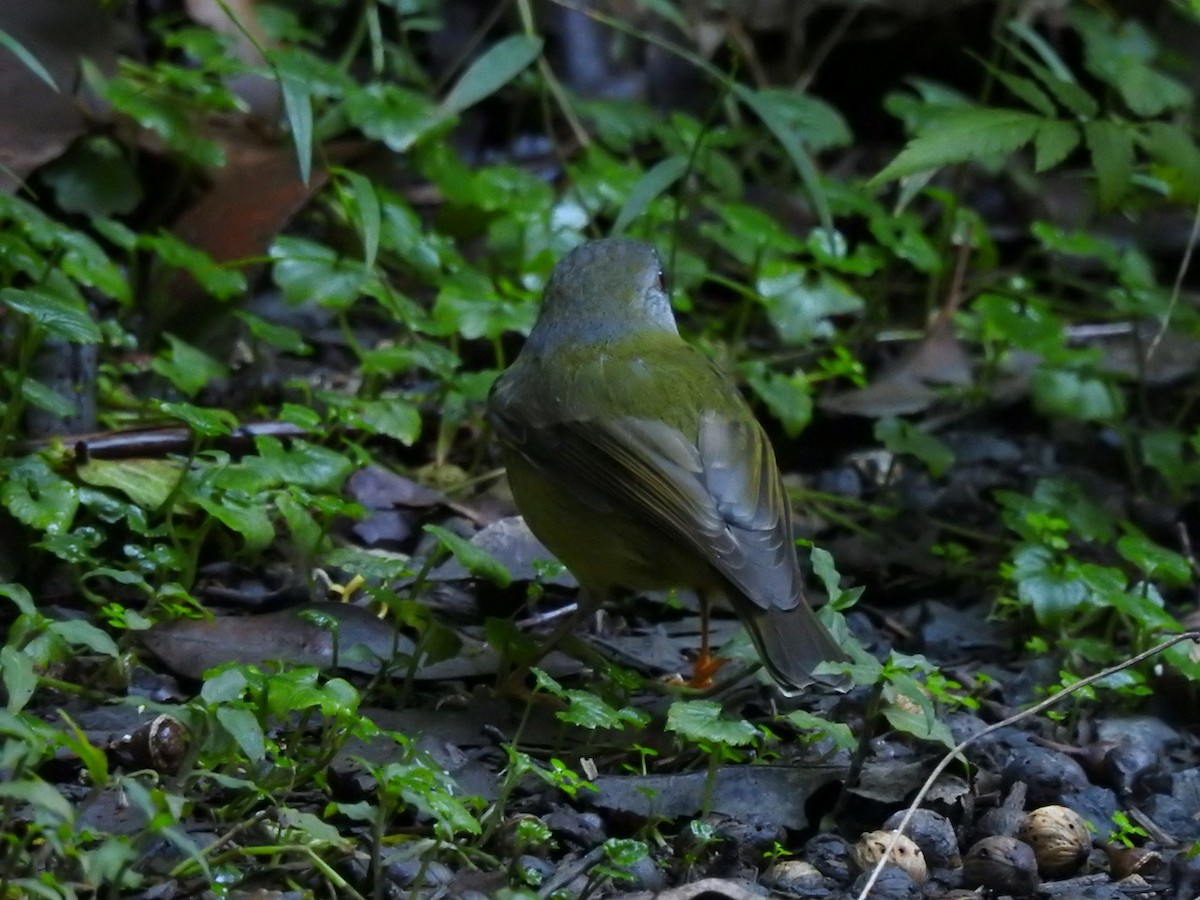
1060,840
906,855
1002,865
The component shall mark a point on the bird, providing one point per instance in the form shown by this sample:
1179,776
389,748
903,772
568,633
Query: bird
639,464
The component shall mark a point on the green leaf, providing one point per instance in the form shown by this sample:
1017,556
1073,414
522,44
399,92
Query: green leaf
474,560
587,710
656,181
298,109
1111,145
221,280
46,398
20,681
838,732
1054,141
366,202
187,367
799,304
959,135
1086,398
36,495
494,69
79,633
903,437
1052,592
28,60
242,726
304,464
396,418
61,316
704,721
767,109
96,178
147,482
224,687
392,114
921,722
1154,560
42,797
203,422
787,395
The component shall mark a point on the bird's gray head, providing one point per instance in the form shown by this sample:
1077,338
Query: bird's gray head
603,290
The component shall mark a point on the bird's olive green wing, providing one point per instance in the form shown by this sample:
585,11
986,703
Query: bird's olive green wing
719,493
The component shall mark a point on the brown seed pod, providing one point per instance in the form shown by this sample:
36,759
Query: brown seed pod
1126,861
1001,864
906,854
1059,838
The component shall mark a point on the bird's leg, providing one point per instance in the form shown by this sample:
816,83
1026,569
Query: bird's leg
706,664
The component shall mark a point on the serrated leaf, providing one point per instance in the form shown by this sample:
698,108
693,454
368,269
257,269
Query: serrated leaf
704,720
660,177
1111,146
394,418
1054,142
959,135
1055,77
1025,89
496,68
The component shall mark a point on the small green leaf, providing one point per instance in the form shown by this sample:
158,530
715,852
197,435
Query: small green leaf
1154,560
61,316
395,418
147,482
20,681
656,181
298,109
903,437
494,69
474,560
36,495
242,726
79,633
704,721
838,732
1054,141
960,135
187,367
1111,145
1086,398
1050,591
370,218
203,422
28,60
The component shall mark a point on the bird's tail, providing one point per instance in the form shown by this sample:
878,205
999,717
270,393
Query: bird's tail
792,642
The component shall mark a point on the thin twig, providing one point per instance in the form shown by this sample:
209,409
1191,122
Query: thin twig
1177,287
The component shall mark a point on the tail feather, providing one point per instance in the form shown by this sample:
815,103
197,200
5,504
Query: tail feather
792,643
